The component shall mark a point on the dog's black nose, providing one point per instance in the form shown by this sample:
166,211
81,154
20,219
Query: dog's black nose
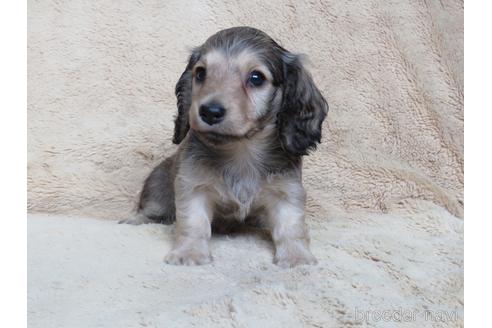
212,113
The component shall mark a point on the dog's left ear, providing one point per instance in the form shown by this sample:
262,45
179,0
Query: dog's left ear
303,109
183,95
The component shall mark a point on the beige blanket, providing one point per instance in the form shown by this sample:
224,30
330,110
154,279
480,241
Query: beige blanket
101,77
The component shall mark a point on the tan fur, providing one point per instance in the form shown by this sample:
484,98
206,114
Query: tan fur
247,113
277,201
225,83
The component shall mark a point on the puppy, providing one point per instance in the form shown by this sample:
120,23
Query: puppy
247,112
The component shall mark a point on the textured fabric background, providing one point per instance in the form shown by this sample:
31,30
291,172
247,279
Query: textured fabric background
385,189
101,76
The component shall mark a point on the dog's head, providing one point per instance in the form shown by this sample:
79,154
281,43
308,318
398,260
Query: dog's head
239,80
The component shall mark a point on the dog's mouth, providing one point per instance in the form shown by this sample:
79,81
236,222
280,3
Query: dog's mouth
218,138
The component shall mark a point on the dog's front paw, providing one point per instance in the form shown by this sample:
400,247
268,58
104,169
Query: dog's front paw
189,256
291,254
293,260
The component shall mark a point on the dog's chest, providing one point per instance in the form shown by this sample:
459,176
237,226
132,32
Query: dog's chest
241,182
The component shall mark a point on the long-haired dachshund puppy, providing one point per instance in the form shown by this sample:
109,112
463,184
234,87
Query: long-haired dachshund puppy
247,112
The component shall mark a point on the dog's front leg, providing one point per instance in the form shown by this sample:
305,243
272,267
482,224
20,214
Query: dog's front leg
288,229
193,231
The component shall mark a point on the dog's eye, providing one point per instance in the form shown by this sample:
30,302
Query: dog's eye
200,74
256,78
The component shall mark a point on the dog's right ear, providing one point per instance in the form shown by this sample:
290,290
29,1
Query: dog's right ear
183,95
